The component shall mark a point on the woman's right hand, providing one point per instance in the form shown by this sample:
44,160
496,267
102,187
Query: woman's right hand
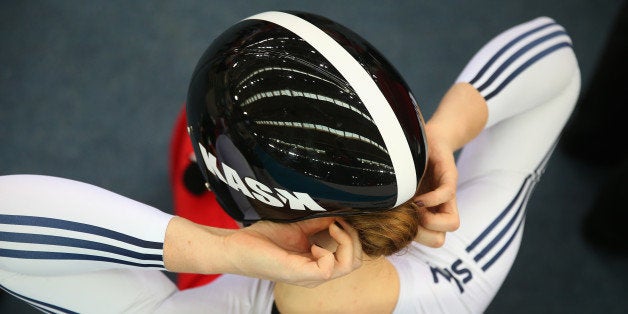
460,117
436,197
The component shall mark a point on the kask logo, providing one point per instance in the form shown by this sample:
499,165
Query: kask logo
256,190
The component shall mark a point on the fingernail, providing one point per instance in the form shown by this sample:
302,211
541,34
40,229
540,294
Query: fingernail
419,203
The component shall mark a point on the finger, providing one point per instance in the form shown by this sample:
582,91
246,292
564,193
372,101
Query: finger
309,271
320,252
324,260
430,238
344,252
444,218
324,240
446,191
357,245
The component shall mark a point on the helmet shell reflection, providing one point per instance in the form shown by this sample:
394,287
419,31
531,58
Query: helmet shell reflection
293,116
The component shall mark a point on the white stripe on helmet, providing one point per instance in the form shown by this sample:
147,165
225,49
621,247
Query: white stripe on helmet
367,90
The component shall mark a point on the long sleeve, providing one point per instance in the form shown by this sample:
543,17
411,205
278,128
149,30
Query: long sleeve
71,247
526,66
530,79
53,226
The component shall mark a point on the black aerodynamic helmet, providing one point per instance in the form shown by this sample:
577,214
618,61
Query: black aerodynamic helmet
293,116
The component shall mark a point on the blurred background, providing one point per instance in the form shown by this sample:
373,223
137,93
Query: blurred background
89,90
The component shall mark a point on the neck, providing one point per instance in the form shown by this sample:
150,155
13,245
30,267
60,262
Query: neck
374,287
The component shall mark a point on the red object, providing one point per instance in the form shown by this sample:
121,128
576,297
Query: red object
201,209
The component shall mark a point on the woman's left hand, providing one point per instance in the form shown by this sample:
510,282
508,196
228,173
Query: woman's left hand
283,252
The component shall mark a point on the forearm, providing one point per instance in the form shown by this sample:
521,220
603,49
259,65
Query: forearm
193,248
460,117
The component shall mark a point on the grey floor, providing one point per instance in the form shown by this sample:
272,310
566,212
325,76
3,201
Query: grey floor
89,91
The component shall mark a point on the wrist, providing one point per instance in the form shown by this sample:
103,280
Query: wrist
460,116
226,251
193,248
439,137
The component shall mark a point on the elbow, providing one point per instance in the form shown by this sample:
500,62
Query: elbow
564,70
559,52
550,65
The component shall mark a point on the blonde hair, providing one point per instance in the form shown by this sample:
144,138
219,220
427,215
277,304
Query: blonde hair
386,233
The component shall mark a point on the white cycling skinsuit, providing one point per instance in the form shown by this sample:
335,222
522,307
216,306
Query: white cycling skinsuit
69,247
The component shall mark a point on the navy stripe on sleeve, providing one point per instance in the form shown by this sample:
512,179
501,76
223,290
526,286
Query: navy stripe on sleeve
506,47
500,217
506,245
77,226
523,195
524,66
77,243
517,216
69,256
518,55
